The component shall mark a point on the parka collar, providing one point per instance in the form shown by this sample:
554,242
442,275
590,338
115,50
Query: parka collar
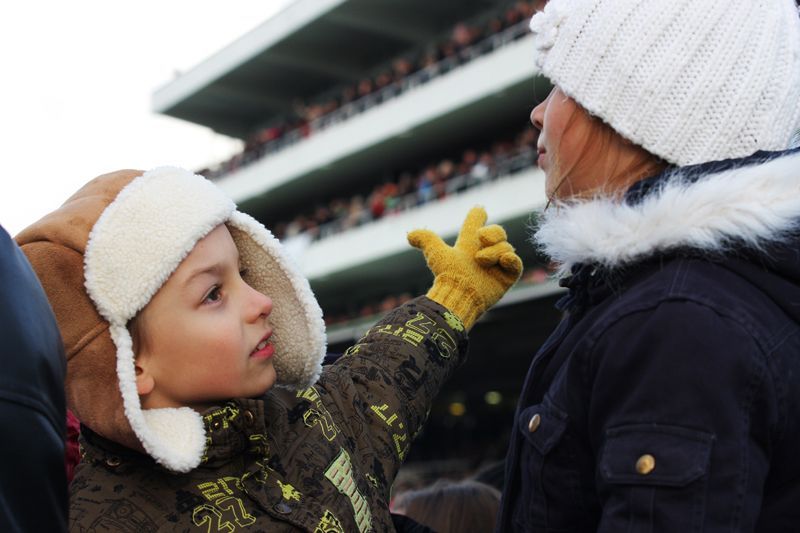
709,208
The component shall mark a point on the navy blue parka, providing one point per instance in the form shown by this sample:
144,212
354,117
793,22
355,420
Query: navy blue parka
33,479
668,399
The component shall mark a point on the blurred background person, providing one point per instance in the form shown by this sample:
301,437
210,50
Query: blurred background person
466,506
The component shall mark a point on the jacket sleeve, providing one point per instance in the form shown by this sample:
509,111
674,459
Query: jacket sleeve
387,381
33,485
681,412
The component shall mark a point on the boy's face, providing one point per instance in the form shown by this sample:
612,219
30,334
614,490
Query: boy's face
205,333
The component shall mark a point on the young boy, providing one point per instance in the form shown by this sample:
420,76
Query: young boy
180,315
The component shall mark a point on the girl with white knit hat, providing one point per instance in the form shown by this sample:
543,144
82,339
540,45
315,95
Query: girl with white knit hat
668,399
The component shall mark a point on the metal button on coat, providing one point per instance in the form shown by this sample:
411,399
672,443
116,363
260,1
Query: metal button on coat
533,425
248,417
645,464
113,461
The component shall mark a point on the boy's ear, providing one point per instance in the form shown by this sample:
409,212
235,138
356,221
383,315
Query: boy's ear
145,383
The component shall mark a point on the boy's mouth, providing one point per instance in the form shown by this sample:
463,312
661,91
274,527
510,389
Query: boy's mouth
263,349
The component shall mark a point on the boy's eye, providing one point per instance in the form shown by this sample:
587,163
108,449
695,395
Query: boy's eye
214,295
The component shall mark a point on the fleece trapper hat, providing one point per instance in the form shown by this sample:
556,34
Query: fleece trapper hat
105,253
691,81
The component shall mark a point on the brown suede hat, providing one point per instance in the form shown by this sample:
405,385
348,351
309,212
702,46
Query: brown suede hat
103,255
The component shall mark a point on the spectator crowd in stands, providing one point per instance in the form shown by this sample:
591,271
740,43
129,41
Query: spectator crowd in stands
466,42
409,189
432,182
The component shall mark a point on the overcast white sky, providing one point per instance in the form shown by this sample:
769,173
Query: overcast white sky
77,78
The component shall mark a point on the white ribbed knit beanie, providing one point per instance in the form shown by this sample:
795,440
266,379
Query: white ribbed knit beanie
688,80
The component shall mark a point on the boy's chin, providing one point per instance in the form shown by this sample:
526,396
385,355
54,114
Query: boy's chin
266,385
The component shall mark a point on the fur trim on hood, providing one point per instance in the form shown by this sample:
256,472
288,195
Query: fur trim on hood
753,203
105,253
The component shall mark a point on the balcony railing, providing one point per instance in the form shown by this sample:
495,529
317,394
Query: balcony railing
502,166
365,103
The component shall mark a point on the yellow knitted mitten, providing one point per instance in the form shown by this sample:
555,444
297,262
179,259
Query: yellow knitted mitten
476,272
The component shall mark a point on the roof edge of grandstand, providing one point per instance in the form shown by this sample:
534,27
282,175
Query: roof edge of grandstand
292,18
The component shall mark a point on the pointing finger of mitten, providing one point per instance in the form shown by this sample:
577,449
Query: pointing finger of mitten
433,247
493,234
424,239
468,236
490,256
511,263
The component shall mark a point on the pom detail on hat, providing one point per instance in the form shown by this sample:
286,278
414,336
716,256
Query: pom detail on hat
544,26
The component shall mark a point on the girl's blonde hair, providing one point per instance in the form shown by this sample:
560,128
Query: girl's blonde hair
599,141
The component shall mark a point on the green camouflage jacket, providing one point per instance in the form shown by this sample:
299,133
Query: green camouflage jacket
320,460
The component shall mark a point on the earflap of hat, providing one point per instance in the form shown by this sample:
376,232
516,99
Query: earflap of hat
174,437
299,331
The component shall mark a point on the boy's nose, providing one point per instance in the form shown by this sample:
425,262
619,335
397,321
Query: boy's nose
261,304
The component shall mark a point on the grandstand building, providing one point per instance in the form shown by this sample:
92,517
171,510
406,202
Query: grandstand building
364,119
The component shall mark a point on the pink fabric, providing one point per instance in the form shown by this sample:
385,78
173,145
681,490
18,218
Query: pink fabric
71,452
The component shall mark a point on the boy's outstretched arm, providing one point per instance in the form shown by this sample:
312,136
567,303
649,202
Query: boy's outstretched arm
476,272
385,384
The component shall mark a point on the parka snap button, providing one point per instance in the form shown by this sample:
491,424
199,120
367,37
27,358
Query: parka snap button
248,417
534,422
216,424
113,461
645,464
283,508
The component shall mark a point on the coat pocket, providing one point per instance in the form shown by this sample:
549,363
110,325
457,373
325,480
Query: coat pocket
542,426
654,478
549,480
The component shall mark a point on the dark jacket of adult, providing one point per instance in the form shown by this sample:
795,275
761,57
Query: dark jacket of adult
33,485
668,399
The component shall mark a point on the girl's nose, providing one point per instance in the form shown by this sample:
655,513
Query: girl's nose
537,115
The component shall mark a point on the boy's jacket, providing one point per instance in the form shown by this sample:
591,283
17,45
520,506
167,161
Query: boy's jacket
320,460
